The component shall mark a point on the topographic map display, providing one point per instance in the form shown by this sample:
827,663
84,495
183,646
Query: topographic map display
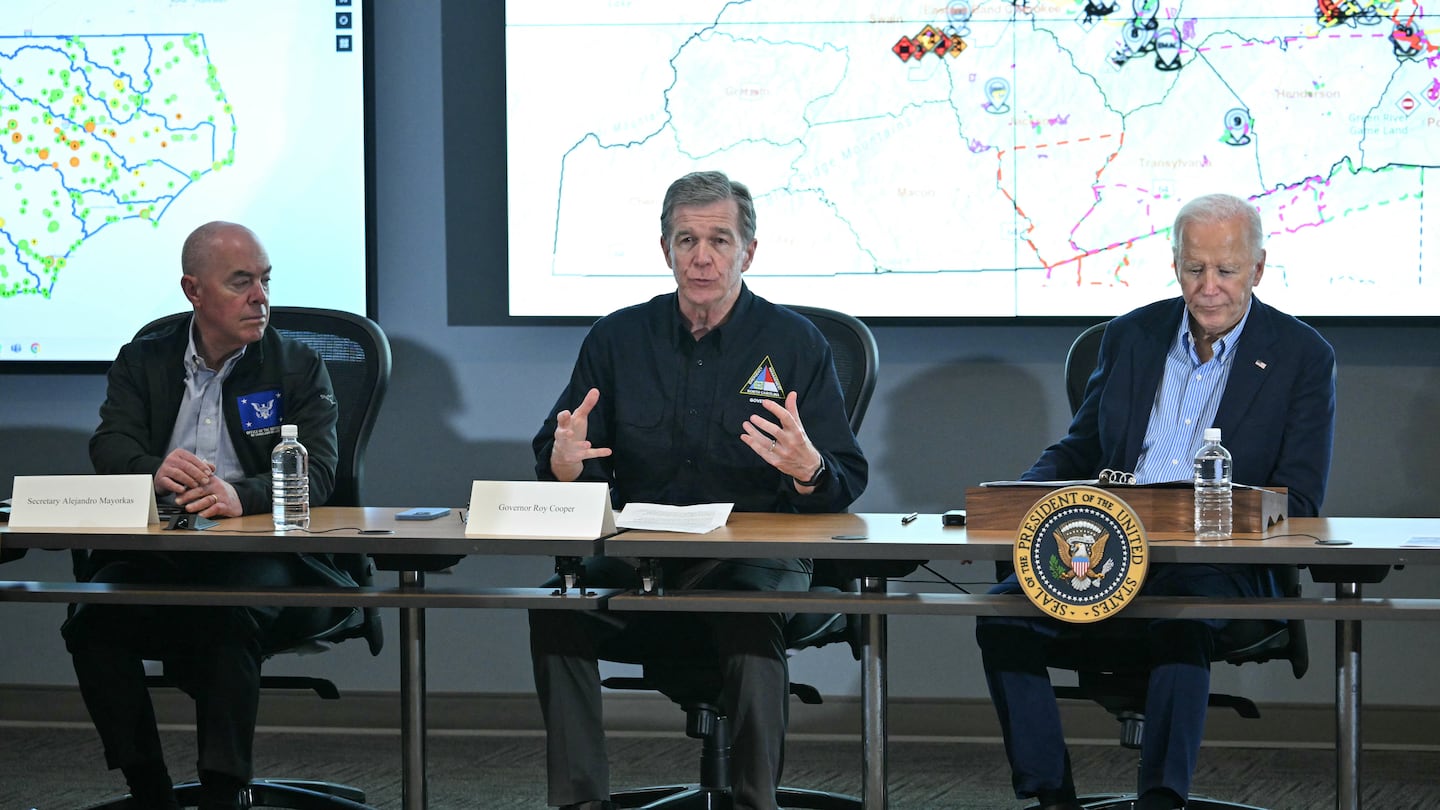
976,159
124,125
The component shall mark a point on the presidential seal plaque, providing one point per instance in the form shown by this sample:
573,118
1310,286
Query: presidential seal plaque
1081,554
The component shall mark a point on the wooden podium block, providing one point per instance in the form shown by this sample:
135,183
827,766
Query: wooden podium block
1162,509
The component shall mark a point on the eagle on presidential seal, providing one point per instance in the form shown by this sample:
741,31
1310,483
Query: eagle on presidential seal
1080,549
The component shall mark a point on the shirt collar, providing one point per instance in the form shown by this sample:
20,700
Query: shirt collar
195,363
739,312
1223,346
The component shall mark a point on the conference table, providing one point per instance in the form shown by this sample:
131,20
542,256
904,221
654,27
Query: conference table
409,547
1345,552
1348,552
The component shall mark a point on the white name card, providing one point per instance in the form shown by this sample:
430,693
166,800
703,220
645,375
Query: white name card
83,502
578,510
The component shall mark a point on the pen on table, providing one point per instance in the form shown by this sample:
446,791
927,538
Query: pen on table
908,519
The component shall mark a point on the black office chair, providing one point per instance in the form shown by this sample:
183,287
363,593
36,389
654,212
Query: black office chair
857,357
357,356
1080,362
679,663
1117,679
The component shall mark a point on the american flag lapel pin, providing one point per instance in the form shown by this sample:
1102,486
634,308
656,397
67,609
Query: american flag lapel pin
1260,364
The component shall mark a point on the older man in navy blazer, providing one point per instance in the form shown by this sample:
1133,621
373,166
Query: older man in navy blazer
1215,357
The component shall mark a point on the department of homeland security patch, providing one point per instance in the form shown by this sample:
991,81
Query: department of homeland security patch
1081,554
260,412
764,382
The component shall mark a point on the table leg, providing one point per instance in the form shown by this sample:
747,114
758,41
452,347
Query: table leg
412,696
872,687
1347,705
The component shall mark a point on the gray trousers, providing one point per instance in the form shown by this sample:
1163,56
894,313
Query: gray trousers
565,647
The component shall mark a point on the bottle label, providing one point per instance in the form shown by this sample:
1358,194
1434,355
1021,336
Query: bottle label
261,412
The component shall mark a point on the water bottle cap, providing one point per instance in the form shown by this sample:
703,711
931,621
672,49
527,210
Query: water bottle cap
289,431
1211,434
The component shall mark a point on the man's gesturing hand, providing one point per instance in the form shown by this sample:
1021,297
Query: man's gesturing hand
783,443
571,449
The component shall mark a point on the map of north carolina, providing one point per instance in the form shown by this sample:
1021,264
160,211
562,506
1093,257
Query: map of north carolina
99,132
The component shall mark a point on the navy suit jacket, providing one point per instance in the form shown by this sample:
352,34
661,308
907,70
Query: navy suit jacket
1277,414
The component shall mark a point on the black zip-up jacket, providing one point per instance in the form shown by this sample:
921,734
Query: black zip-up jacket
146,383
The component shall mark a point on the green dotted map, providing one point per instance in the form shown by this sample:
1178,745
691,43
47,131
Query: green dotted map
126,124
99,132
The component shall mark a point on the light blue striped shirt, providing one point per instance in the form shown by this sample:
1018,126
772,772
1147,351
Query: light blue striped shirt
200,424
1185,404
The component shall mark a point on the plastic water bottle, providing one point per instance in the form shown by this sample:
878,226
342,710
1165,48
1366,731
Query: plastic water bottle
290,482
1213,513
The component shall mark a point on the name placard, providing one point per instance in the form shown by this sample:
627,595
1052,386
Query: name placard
83,502
578,510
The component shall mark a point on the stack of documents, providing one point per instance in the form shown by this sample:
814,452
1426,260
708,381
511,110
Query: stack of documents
656,517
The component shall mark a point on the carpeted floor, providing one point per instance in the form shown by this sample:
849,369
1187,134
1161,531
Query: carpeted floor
62,769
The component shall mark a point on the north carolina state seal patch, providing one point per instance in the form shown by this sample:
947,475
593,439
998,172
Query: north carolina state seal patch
1081,554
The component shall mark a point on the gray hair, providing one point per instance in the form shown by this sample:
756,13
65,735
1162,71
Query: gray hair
703,188
1218,208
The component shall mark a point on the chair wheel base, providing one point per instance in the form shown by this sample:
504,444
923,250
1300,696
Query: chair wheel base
1119,801
673,797
290,794
698,797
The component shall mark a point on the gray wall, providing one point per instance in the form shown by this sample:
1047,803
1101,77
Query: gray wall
955,405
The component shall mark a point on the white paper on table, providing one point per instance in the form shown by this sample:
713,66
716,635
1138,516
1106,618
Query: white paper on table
659,517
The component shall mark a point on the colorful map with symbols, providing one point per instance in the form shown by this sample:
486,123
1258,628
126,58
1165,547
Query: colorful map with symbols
977,159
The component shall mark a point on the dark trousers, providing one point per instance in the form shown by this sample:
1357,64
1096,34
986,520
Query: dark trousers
565,647
1179,654
214,653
